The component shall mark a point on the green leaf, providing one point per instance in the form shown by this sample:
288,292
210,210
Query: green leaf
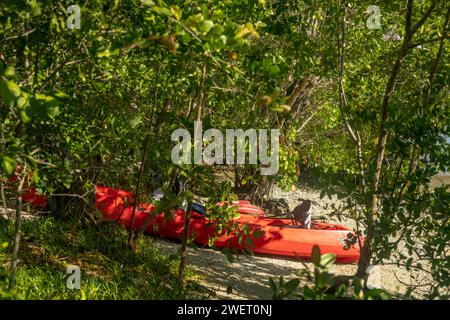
42,105
9,72
9,165
315,255
176,12
35,177
217,30
277,108
197,18
230,257
162,11
274,70
327,260
62,95
291,285
249,242
104,54
135,121
258,233
205,26
13,88
24,116
273,286
9,91
148,2
21,102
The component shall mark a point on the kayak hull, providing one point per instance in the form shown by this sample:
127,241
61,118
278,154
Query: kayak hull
280,237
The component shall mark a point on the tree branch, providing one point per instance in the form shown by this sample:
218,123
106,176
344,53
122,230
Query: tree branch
343,104
427,41
409,7
424,17
18,224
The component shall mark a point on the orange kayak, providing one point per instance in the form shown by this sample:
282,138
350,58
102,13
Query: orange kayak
280,237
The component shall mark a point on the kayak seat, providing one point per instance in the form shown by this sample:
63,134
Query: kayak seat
199,208
302,214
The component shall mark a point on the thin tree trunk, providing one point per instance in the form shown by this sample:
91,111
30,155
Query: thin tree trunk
18,224
132,235
155,95
136,194
366,250
185,239
307,121
236,179
426,101
354,134
4,200
3,144
183,249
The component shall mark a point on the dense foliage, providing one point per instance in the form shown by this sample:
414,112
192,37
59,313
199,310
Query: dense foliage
364,111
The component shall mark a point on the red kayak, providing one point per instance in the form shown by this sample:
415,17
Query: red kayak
30,195
280,237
